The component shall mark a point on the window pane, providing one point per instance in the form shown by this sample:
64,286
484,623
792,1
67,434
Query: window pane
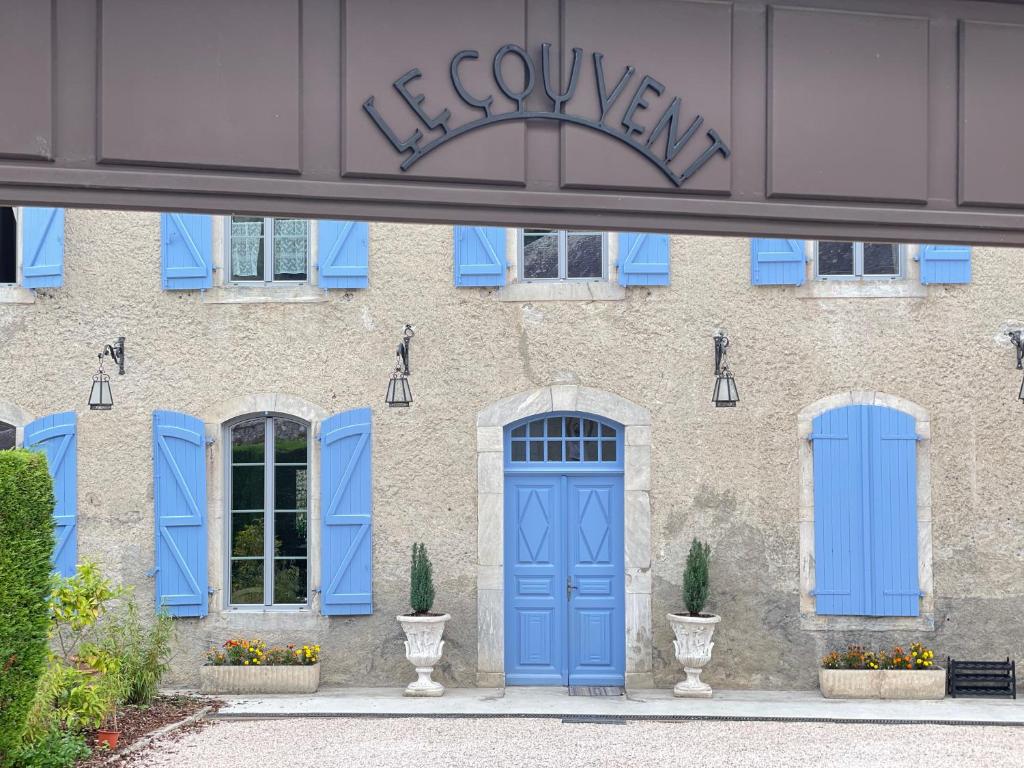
835,258
572,450
247,534
572,427
7,436
554,450
8,246
247,247
608,450
290,487
555,427
289,442
290,534
536,429
247,582
536,450
518,450
540,254
290,581
584,258
247,442
519,431
881,259
247,487
590,450
291,244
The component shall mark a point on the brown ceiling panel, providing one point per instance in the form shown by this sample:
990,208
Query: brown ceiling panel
660,40
848,105
426,39
196,83
26,87
991,114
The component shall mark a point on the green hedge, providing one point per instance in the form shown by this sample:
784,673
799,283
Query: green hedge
26,541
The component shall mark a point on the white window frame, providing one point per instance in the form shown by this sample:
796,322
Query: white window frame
858,263
268,256
563,250
268,514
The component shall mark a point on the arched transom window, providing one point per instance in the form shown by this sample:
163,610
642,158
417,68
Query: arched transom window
564,439
268,512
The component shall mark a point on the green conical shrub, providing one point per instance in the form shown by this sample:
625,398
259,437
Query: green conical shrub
421,588
695,578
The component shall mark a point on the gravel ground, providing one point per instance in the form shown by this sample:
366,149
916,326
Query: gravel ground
540,743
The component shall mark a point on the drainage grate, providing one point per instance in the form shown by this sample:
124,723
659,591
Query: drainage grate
596,690
598,719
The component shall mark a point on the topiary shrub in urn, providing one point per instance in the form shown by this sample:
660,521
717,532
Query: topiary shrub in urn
423,629
694,629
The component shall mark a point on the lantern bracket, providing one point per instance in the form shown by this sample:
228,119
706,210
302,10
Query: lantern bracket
115,352
1018,342
402,364
721,344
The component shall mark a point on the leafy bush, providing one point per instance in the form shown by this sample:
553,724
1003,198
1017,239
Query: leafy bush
54,749
421,588
26,543
856,657
241,652
80,685
695,578
143,653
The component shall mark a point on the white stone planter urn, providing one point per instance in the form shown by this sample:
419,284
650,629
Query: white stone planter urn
423,646
693,650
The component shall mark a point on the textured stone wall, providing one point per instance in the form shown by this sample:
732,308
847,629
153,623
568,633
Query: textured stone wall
728,475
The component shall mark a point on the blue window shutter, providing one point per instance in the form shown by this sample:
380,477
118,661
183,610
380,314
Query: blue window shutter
346,505
893,451
186,251
344,253
42,247
945,264
777,262
179,500
480,256
56,436
842,565
643,259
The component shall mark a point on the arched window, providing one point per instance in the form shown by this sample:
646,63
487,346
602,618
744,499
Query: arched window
268,511
564,439
8,436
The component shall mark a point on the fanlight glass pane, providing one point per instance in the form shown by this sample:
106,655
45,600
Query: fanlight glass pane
881,259
584,258
540,254
835,258
247,247
291,246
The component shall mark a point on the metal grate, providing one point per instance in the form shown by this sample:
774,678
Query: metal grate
981,678
596,690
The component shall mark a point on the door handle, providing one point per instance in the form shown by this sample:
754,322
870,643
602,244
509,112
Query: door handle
568,587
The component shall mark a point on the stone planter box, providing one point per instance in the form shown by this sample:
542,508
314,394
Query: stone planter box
882,683
270,679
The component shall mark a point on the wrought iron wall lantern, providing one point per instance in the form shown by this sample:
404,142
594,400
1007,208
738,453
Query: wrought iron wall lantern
399,392
725,394
1015,339
100,396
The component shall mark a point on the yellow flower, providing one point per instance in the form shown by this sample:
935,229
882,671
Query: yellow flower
246,663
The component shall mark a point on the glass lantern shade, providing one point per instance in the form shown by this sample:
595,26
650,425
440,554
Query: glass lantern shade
399,392
100,397
725,394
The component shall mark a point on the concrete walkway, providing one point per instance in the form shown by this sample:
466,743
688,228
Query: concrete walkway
636,705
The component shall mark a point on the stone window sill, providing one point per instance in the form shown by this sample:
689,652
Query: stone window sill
277,294
16,294
862,289
562,291
814,623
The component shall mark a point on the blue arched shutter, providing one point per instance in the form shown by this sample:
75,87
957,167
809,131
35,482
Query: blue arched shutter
344,254
42,247
777,262
893,451
56,436
945,264
480,256
186,251
643,259
865,512
842,567
179,500
346,503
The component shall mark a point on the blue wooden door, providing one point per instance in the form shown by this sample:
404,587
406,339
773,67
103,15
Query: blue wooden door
596,588
564,552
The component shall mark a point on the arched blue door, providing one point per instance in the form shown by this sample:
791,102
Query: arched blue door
564,552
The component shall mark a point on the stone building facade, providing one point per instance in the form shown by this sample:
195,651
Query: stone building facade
639,357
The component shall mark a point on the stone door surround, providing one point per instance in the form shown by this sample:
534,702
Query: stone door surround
490,426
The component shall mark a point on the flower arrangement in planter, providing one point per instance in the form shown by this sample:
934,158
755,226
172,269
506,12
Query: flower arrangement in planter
243,665
895,673
423,629
694,629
